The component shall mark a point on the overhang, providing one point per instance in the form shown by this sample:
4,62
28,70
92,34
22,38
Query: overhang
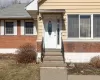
52,10
33,6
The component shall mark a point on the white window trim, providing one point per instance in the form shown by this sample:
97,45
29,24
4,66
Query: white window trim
2,27
23,27
3,24
81,39
5,28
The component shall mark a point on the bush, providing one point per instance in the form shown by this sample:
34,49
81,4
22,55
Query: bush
26,54
95,61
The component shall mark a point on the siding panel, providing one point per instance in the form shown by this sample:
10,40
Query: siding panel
72,7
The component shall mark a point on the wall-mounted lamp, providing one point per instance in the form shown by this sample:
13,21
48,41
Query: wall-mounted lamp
40,18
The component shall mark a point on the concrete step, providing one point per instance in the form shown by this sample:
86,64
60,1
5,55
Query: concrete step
53,58
53,65
53,54
52,50
53,62
53,74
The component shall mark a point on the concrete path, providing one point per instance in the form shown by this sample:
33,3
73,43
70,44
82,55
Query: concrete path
83,77
54,73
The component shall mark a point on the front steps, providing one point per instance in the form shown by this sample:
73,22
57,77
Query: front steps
53,58
53,54
53,66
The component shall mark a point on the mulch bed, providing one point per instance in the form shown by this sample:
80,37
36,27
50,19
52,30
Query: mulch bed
82,69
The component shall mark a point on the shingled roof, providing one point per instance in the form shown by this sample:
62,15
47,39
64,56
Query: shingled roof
15,11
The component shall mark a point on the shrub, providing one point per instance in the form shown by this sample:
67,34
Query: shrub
26,54
95,61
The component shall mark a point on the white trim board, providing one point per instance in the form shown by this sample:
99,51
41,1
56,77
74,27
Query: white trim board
38,58
79,57
23,27
32,6
82,40
8,50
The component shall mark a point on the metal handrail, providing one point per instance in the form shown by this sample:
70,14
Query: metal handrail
62,48
42,49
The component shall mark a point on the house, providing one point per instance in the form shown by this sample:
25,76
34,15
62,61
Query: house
71,24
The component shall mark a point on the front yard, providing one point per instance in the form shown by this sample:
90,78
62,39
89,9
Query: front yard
10,70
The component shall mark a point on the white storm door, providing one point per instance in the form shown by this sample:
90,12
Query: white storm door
50,36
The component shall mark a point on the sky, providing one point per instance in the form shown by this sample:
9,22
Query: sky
8,2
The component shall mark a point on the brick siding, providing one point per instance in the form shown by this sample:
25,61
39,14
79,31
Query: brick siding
82,46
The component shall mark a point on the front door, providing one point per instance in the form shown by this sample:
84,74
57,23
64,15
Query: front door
52,37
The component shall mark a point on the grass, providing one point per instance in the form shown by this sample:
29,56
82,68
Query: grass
10,70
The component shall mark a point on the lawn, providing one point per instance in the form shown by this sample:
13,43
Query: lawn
10,70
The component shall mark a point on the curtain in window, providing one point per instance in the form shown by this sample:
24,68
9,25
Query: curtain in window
85,26
96,25
73,26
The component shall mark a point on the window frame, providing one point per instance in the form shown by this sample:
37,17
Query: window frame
81,38
97,38
67,27
80,27
5,27
25,26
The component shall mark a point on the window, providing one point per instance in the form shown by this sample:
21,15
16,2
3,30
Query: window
73,26
96,25
79,26
29,28
85,26
9,28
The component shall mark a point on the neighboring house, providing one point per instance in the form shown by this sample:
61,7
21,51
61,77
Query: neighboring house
71,24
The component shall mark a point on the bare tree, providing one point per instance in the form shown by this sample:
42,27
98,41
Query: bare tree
8,3
5,5
14,1
28,1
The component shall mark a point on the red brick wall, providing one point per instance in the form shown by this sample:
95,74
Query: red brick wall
16,41
82,46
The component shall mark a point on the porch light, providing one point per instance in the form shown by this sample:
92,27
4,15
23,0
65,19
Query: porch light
40,18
